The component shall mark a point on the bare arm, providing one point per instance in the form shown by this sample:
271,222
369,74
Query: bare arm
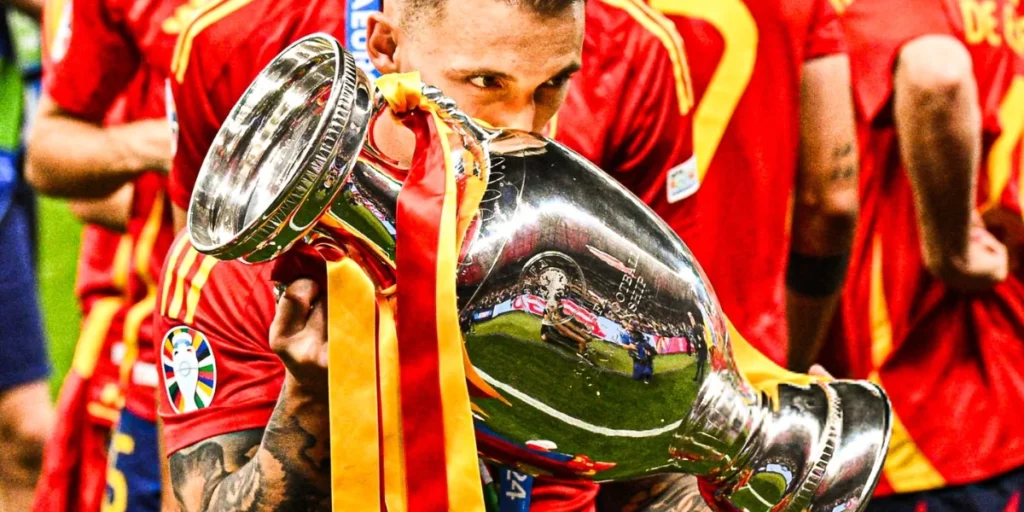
69,157
286,466
938,121
110,212
825,206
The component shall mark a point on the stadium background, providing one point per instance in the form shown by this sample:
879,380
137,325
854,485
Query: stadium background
58,255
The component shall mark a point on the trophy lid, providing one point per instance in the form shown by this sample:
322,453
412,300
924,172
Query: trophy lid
283,153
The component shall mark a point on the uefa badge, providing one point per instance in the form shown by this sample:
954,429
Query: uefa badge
189,368
683,180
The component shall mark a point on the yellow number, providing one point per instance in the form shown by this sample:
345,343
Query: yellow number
1000,157
117,487
733,21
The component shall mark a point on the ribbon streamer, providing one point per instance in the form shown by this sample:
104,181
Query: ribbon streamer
398,392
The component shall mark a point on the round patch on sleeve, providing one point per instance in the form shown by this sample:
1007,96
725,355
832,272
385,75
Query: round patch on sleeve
189,368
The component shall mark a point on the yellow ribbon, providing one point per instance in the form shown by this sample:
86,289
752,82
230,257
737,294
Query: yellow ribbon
352,395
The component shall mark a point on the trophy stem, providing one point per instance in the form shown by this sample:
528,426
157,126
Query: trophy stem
766,454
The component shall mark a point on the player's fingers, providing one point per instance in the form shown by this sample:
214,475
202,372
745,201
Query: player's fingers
294,306
818,370
316,322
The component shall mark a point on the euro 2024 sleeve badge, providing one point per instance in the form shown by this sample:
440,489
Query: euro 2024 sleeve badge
189,368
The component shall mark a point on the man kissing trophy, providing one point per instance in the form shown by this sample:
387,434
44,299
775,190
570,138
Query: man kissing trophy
524,236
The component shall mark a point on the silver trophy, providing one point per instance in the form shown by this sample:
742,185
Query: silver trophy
579,306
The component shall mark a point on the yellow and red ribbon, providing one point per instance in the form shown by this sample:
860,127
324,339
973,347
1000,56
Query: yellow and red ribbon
402,435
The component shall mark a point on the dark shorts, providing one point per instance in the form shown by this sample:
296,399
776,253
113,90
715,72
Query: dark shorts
999,494
133,471
23,356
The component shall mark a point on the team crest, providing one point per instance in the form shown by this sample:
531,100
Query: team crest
683,180
190,370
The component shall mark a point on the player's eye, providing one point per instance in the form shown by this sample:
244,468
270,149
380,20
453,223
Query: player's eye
484,82
557,82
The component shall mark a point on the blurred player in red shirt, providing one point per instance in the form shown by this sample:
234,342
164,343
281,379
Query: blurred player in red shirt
101,49
934,310
205,89
75,460
776,150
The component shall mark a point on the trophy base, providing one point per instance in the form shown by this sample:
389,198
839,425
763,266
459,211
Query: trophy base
820,448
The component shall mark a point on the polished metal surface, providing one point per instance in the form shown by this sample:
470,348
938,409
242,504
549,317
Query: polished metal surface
586,314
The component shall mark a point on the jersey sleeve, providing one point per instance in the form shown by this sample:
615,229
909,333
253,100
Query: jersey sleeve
654,137
214,316
876,32
209,80
826,32
88,57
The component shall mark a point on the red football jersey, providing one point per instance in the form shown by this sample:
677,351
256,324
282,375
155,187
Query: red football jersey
100,50
746,59
628,110
205,85
951,362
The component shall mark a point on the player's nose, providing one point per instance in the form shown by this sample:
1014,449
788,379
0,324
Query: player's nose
518,116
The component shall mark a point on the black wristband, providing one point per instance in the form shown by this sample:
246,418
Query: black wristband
816,276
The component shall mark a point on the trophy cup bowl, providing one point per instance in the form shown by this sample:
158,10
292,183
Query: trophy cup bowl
579,306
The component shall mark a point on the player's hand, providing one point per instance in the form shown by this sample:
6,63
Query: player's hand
298,335
986,265
150,141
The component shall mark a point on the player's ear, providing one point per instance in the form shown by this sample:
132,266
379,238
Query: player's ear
382,42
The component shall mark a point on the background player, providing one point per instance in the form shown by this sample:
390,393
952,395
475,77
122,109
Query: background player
776,152
25,412
932,312
106,48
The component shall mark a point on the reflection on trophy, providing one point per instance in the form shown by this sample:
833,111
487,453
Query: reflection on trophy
561,271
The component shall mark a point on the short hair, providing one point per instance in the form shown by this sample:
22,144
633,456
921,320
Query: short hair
417,9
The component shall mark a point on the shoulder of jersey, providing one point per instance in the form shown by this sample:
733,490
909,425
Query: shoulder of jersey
649,31
207,27
193,282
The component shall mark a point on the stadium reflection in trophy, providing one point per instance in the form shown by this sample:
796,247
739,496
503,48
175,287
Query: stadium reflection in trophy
578,305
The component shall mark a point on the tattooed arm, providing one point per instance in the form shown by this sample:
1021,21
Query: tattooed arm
825,205
285,466
662,493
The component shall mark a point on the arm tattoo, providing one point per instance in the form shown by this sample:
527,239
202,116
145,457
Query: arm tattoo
285,467
843,168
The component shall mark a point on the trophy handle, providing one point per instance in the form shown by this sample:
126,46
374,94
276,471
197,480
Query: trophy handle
473,136
365,210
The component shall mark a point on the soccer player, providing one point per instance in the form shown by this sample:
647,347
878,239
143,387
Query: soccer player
75,459
103,49
514,97
934,311
776,149
25,413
